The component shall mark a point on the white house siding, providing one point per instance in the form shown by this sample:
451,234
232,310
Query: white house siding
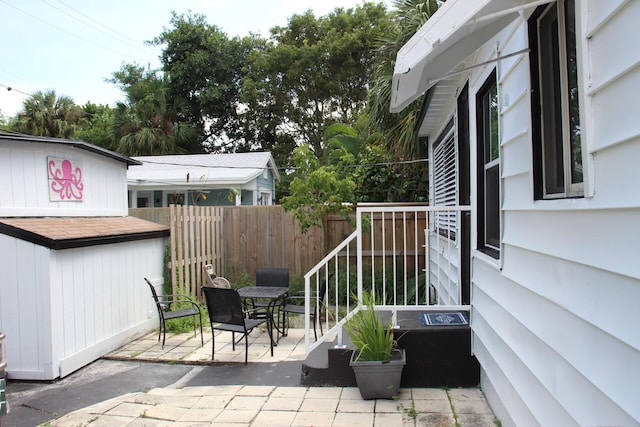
23,165
86,302
444,269
554,321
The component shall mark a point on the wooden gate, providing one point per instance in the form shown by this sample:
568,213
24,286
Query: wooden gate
197,234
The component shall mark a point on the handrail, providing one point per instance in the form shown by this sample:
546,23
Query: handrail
324,262
407,255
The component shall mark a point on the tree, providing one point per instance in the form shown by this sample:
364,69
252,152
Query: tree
318,70
204,71
95,125
47,114
147,123
399,130
316,190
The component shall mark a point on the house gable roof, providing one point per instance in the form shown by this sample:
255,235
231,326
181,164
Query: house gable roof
201,169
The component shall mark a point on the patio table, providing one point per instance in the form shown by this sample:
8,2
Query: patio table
272,294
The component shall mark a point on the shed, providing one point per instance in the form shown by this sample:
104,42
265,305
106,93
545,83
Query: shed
204,179
72,261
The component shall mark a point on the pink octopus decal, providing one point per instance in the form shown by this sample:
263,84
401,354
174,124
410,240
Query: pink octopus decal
66,181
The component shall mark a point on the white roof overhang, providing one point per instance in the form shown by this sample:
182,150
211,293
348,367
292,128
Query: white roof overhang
454,32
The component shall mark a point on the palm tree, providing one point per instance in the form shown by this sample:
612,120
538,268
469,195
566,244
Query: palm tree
399,130
46,114
146,124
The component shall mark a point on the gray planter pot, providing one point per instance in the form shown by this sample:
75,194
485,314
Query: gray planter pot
379,380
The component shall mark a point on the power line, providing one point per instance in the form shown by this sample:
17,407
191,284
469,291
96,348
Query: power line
284,168
9,89
115,34
63,30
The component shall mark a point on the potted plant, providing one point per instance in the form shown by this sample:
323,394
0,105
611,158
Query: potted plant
377,362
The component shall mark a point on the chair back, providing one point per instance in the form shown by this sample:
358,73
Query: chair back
224,305
154,294
272,277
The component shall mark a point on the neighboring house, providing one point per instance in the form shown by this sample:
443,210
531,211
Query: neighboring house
531,113
203,179
73,263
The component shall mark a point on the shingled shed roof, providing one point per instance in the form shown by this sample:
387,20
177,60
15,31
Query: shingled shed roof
75,232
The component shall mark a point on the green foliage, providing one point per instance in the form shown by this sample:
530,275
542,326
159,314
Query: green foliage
166,271
47,114
185,324
95,125
204,68
368,333
148,122
321,68
350,171
399,129
317,190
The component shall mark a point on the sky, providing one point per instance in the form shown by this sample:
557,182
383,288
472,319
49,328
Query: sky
72,46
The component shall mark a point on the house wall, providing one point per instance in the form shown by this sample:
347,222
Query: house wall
266,184
553,320
214,196
444,268
74,305
23,170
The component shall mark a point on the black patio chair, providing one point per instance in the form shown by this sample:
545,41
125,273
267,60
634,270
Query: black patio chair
269,276
164,303
226,314
294,304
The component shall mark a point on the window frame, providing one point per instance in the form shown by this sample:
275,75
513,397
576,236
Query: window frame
552,115
488,244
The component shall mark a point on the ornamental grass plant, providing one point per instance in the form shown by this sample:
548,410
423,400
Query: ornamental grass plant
372,339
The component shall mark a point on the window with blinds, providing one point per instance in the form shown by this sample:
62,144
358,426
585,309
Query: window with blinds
445,184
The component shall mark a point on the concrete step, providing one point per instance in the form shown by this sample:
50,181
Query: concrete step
437,356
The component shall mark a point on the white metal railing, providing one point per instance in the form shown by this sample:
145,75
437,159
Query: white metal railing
408,256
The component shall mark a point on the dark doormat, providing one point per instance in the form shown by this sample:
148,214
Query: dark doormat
455,318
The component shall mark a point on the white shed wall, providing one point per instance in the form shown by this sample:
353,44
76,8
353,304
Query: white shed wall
23,170
554,322
25,314
86,302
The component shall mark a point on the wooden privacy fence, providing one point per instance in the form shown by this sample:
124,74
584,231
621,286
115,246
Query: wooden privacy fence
236,240
197,235
267,236
239,239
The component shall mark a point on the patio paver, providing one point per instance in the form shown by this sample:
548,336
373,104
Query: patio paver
256,405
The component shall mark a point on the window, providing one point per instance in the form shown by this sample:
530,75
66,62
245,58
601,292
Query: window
175,199
488,168
444,182
555,107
